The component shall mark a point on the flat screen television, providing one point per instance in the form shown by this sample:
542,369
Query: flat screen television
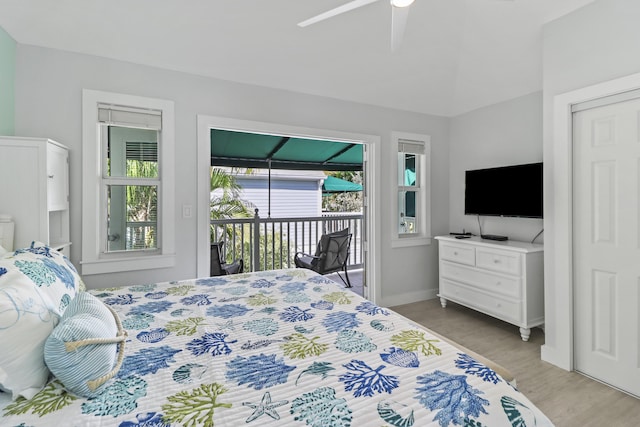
514,191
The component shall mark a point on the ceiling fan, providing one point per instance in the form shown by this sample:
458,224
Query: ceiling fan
399,15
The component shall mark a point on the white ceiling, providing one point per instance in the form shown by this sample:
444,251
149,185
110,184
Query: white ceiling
457,55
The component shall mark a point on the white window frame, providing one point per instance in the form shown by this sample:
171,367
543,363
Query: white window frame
94,258
423,188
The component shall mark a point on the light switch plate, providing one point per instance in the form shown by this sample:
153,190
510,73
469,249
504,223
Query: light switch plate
187,211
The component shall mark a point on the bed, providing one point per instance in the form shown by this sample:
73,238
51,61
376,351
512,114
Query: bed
274,348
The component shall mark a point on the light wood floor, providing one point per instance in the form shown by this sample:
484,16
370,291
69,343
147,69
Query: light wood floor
567,398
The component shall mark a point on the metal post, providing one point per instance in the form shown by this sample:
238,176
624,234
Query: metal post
269,196
256,242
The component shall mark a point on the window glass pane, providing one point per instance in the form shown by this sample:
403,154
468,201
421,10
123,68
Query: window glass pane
131,152
410,170
407,171
407,212
132,217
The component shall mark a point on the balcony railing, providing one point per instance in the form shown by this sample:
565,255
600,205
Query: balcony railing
271,243
140,235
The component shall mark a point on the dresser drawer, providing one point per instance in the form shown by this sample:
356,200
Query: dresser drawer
497,260
504,309
494,283
461,254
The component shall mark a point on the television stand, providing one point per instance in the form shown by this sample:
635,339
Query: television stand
494,237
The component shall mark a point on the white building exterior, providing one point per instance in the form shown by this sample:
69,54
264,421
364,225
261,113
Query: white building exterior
293,193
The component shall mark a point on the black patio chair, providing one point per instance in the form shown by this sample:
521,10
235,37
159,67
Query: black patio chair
219,267
332,254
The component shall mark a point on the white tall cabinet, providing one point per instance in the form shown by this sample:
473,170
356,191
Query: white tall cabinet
34,190
501,279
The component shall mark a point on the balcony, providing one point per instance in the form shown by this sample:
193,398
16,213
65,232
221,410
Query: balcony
271,243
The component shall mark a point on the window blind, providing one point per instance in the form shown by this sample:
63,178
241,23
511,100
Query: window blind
143,151
413,147
119,115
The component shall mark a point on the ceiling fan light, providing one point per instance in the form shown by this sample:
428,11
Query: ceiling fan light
401,3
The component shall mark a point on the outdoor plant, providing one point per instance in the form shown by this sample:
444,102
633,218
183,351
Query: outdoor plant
142,200
344,202
225,201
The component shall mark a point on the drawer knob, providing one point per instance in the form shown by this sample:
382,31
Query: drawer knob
498,305
498,283
455,253
497,261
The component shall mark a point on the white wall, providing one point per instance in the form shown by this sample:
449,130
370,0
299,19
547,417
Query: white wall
48,103
594,44
7,77
503,134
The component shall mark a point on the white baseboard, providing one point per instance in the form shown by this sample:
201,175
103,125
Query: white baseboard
407,298
553,356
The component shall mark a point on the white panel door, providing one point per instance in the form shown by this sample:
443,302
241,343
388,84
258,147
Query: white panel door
606,245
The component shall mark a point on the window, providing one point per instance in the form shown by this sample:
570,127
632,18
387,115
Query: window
128,192
412,222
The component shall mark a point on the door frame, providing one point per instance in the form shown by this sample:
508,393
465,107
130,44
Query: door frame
372,183
558,219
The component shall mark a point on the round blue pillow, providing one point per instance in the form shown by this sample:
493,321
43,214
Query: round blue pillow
76,364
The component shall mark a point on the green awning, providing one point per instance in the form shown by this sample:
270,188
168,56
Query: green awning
332,184
250,150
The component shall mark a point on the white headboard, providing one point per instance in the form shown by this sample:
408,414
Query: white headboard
6,232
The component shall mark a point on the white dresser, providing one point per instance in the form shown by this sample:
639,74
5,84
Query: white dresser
501,279
34,190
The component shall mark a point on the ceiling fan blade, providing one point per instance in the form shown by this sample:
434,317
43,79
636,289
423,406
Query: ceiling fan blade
337,11
399,16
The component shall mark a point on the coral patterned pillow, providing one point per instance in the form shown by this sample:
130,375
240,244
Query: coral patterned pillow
36,286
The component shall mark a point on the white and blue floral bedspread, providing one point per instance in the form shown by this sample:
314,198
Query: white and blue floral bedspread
285,347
